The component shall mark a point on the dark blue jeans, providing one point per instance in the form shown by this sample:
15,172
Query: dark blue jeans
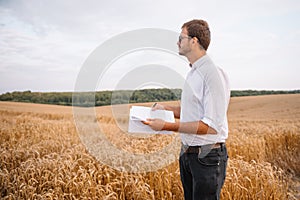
203,178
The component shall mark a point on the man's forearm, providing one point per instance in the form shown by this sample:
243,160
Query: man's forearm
199,128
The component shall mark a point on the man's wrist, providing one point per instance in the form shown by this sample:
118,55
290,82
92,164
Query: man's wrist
168,126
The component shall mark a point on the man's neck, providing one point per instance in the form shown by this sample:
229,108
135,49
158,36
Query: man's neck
194,57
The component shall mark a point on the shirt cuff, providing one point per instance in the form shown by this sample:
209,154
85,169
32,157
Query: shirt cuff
210,123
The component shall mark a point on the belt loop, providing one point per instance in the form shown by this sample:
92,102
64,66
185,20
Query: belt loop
222,146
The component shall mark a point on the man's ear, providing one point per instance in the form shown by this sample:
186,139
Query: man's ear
195,40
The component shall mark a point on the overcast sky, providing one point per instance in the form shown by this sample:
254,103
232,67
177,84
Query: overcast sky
44,43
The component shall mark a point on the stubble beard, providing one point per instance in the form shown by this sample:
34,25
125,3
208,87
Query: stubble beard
180,52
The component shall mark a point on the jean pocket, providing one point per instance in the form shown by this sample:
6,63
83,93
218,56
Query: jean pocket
210,161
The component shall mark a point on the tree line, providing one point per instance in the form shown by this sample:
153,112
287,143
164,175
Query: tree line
101,98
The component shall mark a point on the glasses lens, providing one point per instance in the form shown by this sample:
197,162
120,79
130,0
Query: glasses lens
180,38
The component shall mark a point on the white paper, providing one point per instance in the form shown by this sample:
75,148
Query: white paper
141,113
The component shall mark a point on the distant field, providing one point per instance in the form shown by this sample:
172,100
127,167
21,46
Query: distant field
42,156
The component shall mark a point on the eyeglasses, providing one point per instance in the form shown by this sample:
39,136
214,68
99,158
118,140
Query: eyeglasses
180,38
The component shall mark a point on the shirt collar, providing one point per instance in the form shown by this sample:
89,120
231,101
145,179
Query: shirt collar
199,62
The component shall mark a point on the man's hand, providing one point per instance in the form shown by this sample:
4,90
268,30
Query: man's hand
175,109
157,106
155,124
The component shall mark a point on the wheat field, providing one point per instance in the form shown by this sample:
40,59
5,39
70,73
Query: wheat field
44,157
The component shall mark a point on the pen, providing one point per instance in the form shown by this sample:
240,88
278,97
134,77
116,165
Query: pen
154,105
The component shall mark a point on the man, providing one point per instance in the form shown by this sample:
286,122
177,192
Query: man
203,123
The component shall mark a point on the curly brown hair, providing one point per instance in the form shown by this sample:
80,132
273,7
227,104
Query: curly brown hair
198,28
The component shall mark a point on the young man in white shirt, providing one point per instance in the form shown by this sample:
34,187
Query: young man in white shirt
203,123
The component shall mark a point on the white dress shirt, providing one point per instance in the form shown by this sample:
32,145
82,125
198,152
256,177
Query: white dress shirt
205,97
